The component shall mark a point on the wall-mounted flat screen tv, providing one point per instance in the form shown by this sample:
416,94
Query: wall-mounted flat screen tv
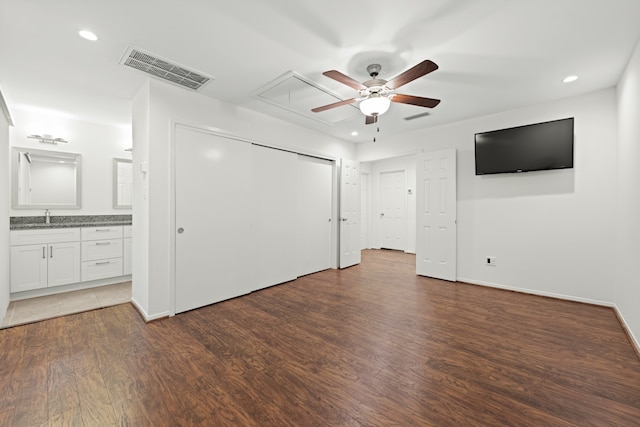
540,146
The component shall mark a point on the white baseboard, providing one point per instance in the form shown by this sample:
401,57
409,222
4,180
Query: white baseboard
634,340
146,317
536,292
16,296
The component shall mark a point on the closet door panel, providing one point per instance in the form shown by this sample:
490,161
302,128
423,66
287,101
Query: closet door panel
315,183
275,221
213,218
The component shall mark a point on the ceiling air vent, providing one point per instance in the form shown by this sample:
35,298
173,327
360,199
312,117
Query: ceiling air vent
164,69
417,116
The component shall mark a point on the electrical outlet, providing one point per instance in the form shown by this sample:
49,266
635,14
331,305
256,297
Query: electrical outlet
491,261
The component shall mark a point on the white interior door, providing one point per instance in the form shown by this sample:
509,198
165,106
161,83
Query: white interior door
275,196
213,218
314,179
436,216
349,213
393,218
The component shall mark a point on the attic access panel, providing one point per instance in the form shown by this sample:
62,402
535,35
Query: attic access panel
296,94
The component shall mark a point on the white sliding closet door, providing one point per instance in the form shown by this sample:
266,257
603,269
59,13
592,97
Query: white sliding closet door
315,178
213,218
275,192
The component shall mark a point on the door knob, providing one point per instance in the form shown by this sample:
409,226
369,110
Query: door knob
344,219
382,214
180,230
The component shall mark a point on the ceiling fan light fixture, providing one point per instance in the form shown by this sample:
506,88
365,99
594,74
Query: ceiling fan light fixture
375,105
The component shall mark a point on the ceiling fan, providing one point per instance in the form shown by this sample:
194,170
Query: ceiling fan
377,94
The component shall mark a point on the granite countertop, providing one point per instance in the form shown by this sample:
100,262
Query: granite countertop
71,221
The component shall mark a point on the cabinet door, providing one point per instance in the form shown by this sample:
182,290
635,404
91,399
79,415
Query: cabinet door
64,263
28,267
126,256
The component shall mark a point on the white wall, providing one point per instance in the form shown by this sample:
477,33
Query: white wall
550,231
5,198
627,221
140,207
165,104
97,143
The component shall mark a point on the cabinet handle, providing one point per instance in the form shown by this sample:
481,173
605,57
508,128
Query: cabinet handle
103,263
50,251
102,243
44,255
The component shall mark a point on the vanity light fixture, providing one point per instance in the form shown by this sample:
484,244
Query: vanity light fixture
48,139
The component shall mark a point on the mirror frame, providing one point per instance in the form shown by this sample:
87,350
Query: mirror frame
117,161
54,154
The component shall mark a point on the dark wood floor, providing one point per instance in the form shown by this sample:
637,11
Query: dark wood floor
372,345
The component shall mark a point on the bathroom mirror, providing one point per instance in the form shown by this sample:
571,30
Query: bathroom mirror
122,183
44,179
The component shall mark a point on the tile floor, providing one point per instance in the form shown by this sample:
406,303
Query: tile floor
41,308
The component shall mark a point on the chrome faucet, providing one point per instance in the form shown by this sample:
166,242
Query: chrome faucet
47,216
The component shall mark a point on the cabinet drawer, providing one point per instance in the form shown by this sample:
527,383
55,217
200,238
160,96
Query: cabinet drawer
35,237
93,270
102,233
127,231
101,249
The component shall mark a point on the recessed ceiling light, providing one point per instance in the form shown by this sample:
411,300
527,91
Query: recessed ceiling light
354,133
570,79
88,35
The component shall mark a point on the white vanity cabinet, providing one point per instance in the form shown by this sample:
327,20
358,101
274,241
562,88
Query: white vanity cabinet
101,252
44,258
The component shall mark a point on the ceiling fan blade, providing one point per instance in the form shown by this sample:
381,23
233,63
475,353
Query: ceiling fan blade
423,68
415,100
344,79
334,105
368,120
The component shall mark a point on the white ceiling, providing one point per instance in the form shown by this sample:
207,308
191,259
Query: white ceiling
493,55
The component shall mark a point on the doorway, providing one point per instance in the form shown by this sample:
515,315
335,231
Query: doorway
392,206
390,191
